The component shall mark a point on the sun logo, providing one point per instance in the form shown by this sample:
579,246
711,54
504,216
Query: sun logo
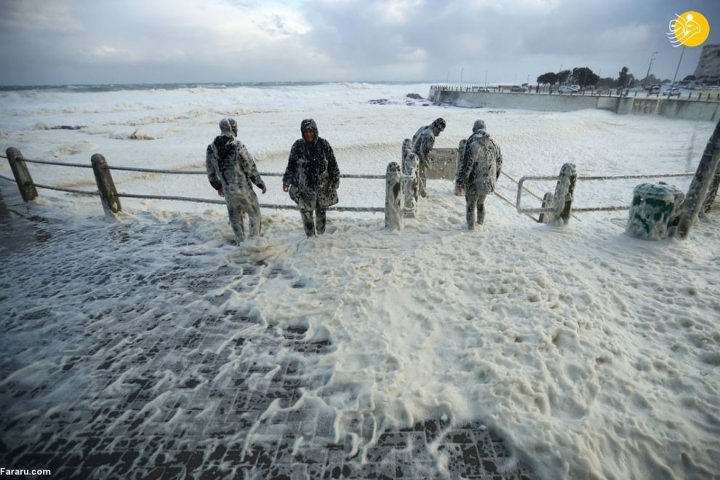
690,29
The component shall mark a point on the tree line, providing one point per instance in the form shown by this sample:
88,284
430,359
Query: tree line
585,77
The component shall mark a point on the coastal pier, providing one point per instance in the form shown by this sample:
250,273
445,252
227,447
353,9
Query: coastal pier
699,106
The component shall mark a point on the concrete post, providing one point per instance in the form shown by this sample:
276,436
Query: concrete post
22,175
704,175
106,186
393,197
547,202
410,164
459,190
563,197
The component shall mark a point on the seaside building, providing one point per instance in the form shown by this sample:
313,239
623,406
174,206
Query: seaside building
708,68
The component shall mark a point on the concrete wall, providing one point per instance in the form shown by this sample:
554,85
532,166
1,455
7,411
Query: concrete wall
673,108
607,103
689,110
542,102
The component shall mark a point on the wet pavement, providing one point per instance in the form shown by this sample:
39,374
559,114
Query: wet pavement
121,398
14,231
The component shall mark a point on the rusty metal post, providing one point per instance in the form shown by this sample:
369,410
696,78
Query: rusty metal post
22,174
106,186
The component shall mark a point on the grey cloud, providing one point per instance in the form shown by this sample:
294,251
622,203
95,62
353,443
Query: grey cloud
134,41
510,42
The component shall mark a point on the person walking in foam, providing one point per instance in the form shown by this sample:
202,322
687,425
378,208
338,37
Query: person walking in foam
312,177
231,169
479,171
422,143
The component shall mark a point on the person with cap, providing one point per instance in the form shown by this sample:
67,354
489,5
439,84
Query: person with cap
231,169
479,171
312,177
422,143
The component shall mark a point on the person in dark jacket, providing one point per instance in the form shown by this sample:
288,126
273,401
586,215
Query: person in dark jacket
422,143
230,169
312,177
479,171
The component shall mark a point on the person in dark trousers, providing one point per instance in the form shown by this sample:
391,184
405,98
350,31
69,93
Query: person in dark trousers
479,171
312,177
422,143
230,169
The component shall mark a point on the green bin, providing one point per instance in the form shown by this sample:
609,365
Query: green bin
654,207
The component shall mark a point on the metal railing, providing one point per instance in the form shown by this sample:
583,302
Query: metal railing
703,96
522,180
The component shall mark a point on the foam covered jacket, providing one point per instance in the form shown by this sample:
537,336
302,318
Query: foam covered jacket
228,163
481,163
423,141
312,171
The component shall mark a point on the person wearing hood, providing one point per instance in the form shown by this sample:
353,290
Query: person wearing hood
479,171
312,177
231,169
422,143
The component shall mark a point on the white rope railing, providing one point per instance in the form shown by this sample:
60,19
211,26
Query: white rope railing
180,172
60,164
222,202
68,190
181,198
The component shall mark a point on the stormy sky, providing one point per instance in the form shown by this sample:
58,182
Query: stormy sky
51,42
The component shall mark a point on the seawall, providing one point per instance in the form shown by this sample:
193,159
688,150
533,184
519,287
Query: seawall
687,109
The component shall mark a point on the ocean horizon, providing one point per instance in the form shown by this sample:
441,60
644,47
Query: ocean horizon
112,87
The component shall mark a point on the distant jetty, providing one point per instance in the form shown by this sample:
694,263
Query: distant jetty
698,106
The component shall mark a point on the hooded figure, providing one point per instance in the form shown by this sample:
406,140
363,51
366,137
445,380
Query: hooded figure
230,169
479,171
422,143
312,177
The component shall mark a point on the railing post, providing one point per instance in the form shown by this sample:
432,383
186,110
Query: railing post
106,186
705,173
547,202
410,164
563,197
712,191
393,197
459,190
22,175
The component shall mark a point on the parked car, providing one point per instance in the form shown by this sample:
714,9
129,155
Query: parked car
673,92
569,89
518,89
